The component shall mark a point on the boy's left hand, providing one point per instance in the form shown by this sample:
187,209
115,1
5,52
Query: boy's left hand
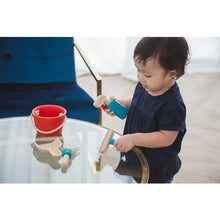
124,143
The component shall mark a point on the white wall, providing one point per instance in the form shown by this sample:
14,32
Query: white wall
115,55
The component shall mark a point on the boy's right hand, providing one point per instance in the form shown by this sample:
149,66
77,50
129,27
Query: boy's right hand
108,111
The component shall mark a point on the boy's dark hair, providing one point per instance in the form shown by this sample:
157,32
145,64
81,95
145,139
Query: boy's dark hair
171,52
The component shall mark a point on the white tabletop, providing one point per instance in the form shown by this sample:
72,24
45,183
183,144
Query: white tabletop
20,162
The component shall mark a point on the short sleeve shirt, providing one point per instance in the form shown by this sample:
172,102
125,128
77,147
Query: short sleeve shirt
154,113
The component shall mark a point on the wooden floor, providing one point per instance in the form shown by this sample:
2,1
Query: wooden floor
200,152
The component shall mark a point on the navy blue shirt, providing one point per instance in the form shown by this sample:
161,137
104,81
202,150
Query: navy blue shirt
149,113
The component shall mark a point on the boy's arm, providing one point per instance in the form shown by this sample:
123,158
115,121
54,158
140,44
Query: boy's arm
155,139
125,102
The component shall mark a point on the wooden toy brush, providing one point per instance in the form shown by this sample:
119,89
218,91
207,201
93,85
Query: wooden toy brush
46,158
120,110
52,148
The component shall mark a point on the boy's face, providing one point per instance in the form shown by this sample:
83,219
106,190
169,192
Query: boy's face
153,77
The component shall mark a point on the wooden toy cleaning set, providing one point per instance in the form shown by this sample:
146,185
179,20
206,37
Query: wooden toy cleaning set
48,121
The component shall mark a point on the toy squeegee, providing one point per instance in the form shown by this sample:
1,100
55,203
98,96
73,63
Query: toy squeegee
107,141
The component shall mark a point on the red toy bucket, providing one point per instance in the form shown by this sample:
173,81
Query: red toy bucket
48,119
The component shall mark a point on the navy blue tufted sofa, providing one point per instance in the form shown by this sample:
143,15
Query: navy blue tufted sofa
41,70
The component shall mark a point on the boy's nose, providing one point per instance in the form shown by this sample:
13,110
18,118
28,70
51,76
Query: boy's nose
140,78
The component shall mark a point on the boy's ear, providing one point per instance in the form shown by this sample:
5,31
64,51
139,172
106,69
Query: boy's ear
173,74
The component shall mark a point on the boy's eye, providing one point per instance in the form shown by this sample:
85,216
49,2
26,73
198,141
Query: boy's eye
147,76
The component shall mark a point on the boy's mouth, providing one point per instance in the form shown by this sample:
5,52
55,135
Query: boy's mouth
145,87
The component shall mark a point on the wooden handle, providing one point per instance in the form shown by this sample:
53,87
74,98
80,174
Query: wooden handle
65,161
100,100
64,165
